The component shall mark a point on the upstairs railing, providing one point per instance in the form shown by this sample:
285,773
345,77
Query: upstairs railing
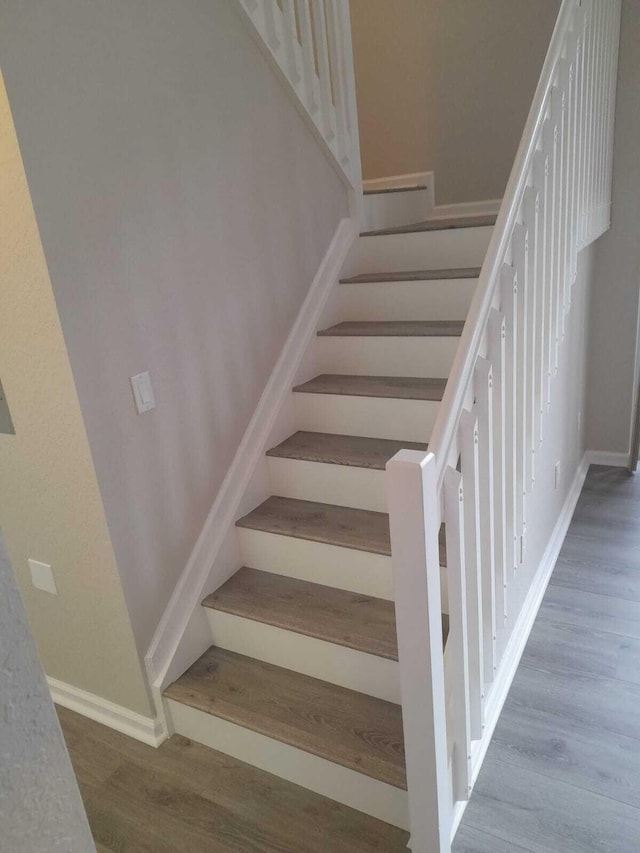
488,442
309,41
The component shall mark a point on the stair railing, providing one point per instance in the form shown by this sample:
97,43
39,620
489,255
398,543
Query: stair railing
489,437
309,43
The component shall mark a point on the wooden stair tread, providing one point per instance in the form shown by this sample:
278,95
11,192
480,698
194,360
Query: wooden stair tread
412,275
360,529
443,224
398,387
346,527
395,329
409,189
345,618
340,725
351,450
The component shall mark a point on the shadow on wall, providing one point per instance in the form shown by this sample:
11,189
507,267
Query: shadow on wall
445,86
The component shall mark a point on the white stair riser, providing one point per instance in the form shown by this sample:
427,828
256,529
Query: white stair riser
331,565
388,210
362,488
387,356
371,417
288,762
343,568
444,299
338,664
422,250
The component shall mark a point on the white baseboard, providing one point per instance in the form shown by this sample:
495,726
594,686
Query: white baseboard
149,730
607,457
199,572
467,208
520,635
393,182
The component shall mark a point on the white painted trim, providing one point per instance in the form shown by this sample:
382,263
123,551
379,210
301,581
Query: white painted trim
521,631
393,182
224,512
607,457
149,730
353,789
490,207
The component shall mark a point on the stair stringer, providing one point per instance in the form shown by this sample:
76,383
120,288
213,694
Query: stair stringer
183,633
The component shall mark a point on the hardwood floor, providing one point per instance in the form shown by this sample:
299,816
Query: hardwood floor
562,774
185,798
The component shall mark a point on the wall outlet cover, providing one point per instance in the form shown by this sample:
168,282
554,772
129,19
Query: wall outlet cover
42,577
143,392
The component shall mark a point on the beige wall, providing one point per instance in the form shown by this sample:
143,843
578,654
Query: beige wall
184,208
616,297
50,506
393,51
445,86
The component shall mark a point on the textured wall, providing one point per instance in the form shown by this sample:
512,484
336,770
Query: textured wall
616,297
446,85
50,506
40,806
184,207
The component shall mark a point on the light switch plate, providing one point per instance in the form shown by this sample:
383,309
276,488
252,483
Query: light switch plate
42,577
143,392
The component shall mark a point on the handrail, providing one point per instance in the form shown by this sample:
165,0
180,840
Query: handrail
461,374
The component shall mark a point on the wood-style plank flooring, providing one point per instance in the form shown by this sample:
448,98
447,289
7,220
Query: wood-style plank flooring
562,774
185,798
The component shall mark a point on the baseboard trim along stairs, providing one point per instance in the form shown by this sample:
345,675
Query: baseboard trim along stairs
149,730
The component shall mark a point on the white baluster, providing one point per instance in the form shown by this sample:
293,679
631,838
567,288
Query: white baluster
572,115
509,290
530,214
503,539
324,73
540,178
563,211
486,501
557,114
520,252
271,35
616,10
338,73
473,567
309,78
291,44
457,644
550,147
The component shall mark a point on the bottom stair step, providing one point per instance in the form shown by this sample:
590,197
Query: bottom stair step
340,725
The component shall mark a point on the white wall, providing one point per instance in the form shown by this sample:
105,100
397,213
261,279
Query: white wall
184,208
615,299
446,85
40,806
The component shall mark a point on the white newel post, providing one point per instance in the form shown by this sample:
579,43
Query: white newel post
414,515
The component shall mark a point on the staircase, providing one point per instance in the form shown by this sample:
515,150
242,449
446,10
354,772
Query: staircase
302,675
377,601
